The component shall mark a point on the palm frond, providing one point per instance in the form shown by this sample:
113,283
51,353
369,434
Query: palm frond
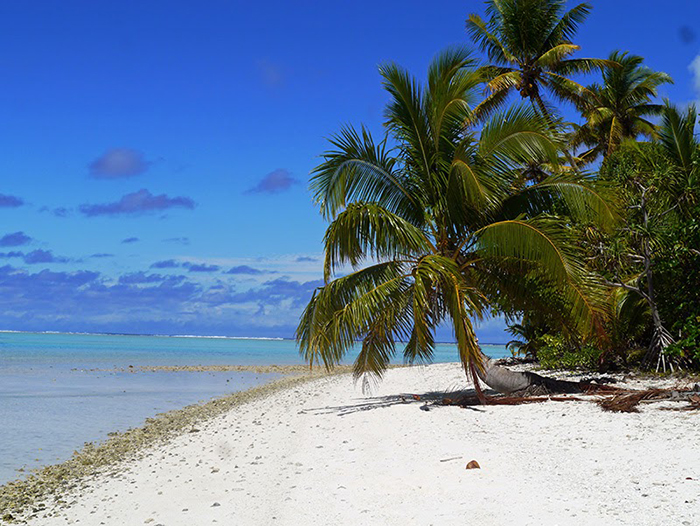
360,169
546,247
565,89
568,25
542,241
452,79
369,231
575,66
469,184
419,352
520,134
374,357
443,274
489,105
404,114
553,56
677,135
505,81
379,345
587,200
488,42
343,311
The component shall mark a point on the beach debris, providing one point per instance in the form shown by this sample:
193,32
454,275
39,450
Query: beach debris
425,407
215,505
473,464
448,459
595,390
469,400
416,397
629,401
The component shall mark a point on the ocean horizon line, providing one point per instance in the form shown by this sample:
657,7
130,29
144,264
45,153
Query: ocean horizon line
154,335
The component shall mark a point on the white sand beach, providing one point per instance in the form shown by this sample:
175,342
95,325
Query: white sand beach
324,453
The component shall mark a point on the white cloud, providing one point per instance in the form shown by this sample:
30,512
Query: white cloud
694,68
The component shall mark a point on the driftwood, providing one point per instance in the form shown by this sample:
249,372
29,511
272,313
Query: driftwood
629,402
608,397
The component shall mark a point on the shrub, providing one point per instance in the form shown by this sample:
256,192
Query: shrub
689,345
557,353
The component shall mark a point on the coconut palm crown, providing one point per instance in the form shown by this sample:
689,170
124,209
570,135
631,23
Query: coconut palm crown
679,141
435,224
529,46
619,108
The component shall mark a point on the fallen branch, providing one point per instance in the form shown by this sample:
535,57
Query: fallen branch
608,397
629,402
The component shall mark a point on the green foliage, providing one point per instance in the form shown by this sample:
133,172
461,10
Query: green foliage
529,46
529,337
439,226
439,222
689,345
664,176
629,326
619,108
556,352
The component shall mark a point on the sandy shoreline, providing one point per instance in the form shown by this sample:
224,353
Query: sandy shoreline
321,452
46,485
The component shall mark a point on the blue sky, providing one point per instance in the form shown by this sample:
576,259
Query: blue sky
155,155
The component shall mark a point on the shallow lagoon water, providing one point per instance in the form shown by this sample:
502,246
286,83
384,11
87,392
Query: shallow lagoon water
57,391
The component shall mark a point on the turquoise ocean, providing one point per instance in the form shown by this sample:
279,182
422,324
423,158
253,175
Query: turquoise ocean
58,391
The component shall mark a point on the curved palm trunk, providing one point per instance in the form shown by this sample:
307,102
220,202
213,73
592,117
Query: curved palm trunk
506,381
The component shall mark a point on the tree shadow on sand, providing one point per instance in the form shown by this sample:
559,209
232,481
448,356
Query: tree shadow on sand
425,401
608,398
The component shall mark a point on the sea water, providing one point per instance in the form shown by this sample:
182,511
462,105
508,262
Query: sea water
58,391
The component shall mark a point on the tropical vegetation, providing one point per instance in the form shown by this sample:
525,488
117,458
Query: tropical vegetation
620,108
472,204
530,50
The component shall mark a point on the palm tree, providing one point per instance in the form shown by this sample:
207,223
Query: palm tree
619,109
528,43
680,144
527,335
436,227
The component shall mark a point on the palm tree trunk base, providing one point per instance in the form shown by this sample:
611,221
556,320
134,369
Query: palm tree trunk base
521,385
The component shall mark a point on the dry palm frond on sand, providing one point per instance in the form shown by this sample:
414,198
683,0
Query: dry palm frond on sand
610,398
629,402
